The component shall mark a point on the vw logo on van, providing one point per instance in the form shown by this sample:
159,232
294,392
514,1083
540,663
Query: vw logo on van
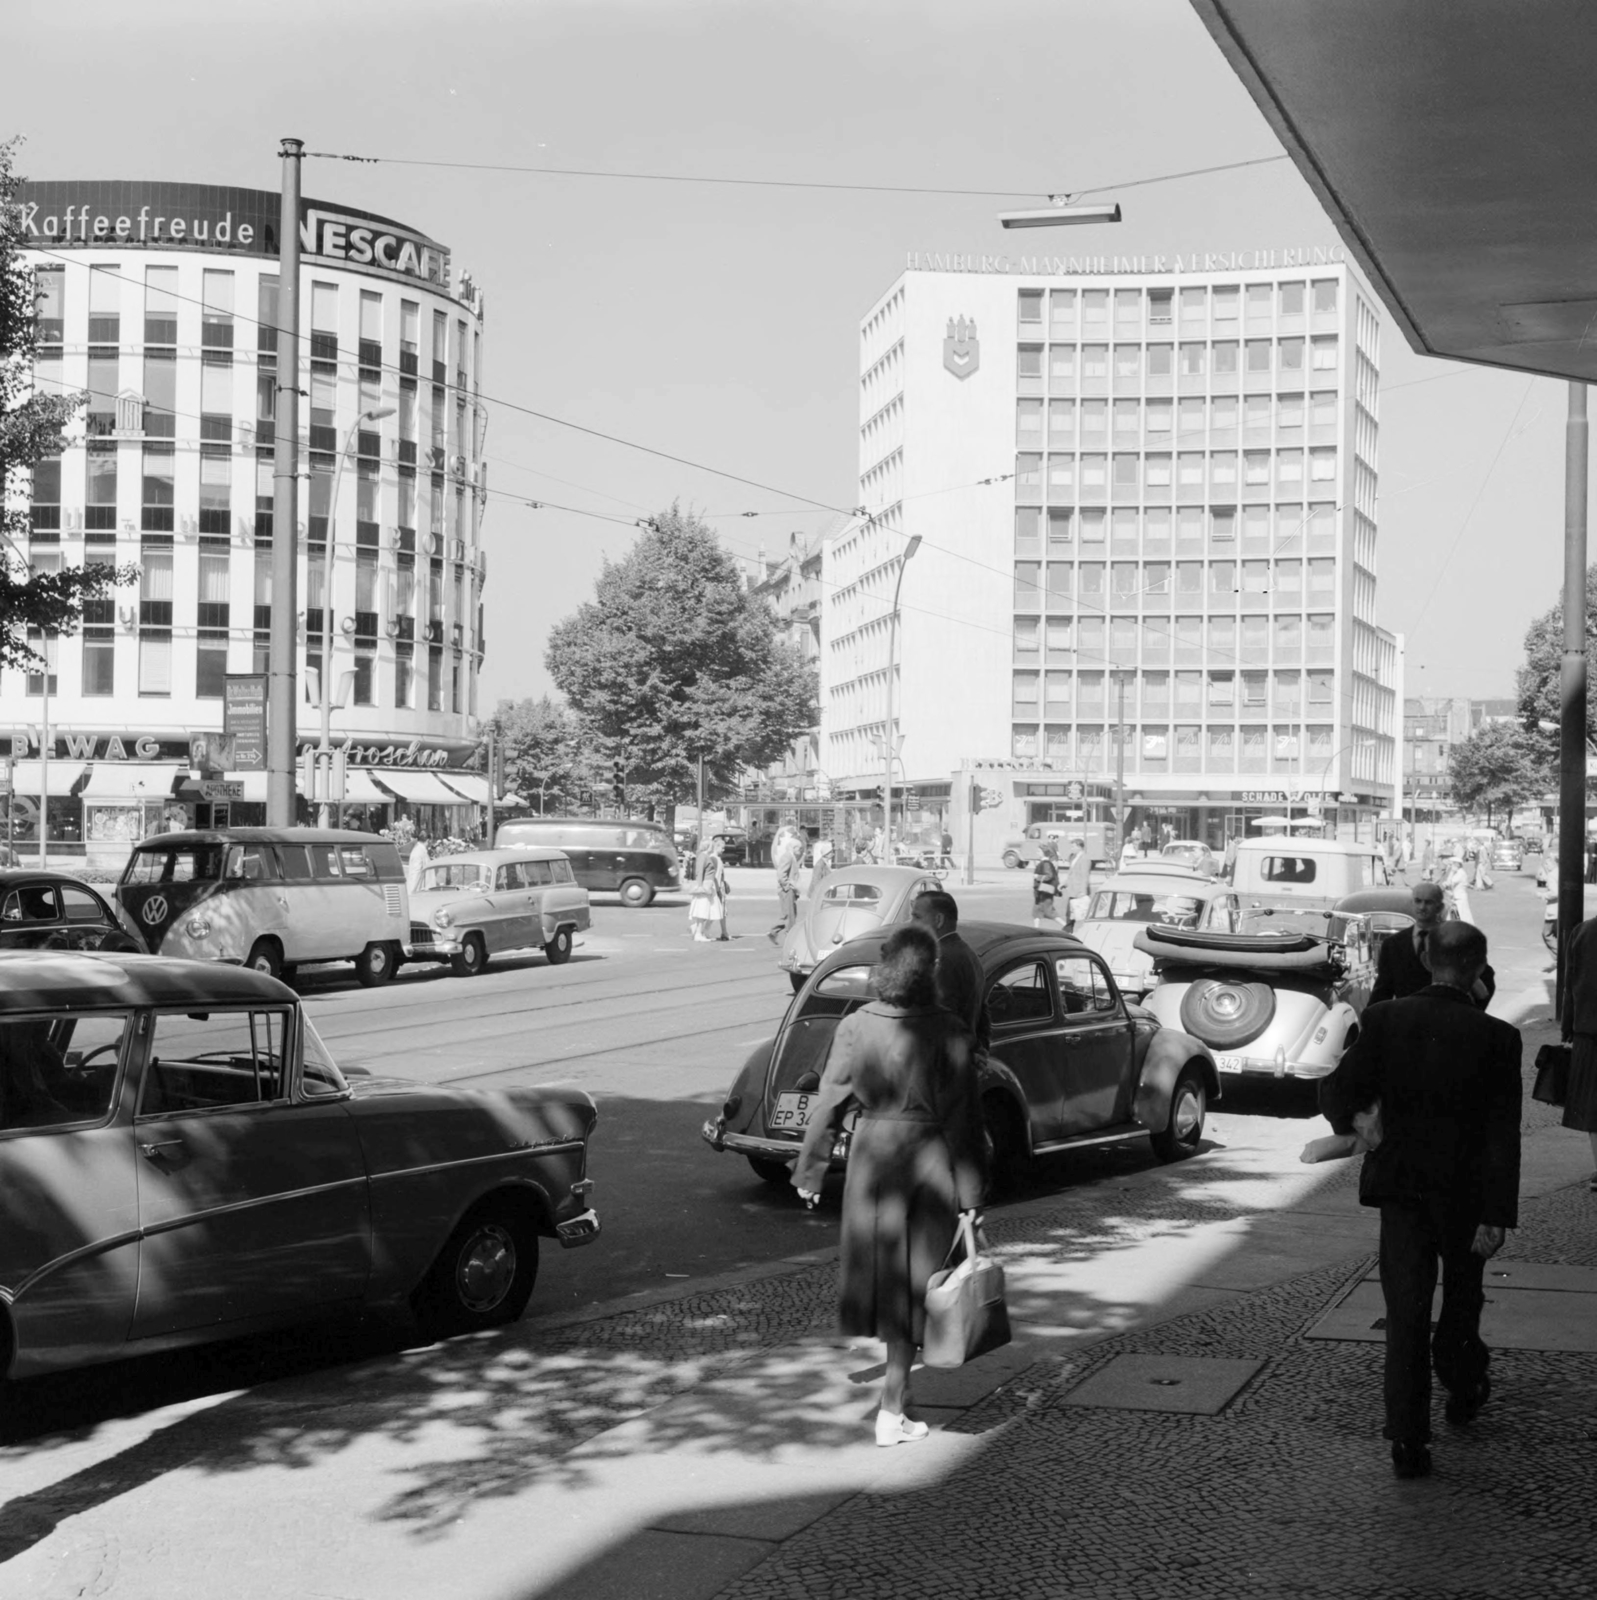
154,909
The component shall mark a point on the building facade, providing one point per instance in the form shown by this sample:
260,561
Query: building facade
1146,509
160,301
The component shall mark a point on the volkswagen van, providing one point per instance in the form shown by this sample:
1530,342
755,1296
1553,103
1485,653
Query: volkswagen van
1311,874
271,898
632,859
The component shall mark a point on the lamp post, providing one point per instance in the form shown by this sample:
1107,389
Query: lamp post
375,414
888,748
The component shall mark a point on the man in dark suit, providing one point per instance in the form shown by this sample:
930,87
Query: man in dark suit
1445,1176
961,984
1403,966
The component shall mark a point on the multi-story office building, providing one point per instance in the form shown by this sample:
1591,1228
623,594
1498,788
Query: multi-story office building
1146,509
160,302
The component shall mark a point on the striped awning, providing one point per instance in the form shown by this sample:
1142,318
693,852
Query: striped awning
420,788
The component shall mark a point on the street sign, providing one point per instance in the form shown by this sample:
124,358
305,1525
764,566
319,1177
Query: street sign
217,789
244,717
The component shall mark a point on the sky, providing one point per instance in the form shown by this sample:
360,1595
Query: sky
719,323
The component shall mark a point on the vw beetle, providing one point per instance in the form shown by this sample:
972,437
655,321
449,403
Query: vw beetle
1071,1063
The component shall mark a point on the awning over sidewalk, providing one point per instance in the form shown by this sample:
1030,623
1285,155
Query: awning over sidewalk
420,788
26,777
469,785
131,781
360,790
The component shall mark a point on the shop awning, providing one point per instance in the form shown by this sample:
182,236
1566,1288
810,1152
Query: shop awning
468,785
63,774
359,790
130,781
420,788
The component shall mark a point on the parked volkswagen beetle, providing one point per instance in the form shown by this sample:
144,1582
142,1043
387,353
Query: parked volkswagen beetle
1071,1062
850,902
181,1161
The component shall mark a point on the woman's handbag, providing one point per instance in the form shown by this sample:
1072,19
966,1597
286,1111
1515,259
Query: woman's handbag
704,905
1552,1074
965,1311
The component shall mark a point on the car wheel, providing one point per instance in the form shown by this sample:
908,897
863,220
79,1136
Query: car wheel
636,893
471,958
1011,859
558,949
484,1274
376,964
797,979
1226,1013
775,1173
266,956
1007,1138
1183,1133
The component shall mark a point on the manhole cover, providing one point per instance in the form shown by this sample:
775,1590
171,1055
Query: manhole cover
1196,1385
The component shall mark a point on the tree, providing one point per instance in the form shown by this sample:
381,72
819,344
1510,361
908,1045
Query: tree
30,432
541,747
1498,768
1539,693
673,660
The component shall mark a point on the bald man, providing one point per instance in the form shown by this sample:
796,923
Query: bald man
1403,966
1445,1177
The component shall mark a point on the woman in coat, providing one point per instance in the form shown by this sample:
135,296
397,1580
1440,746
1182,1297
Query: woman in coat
707,908
915,1160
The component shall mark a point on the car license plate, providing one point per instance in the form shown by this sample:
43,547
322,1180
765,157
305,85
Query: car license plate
792,1112
1231,1063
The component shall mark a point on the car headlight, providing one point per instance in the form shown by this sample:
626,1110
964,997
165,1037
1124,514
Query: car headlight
198,927
442,918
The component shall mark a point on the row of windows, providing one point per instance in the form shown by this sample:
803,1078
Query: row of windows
1188,640
1186,530
1260,474
1190,420
1262,361
439,684
109,289
1285,581
1154,693
1225,304
1092,750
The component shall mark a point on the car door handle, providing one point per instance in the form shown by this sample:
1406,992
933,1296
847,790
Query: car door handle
151,1151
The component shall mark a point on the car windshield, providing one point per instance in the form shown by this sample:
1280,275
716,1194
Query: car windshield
1286,924
321,1076
1122,905
454,875
857,892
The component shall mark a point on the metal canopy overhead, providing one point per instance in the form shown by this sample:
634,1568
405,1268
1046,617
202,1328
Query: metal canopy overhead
1451,143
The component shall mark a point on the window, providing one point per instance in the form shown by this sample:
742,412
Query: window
215,586
1227,301
160,393
49,647
1094,470
216,310
1289,413
1291,360
1225,358
1321,689
1291,299
1289,471
1323,408
364,691
1159,416
160,306
1027,636
46,496
1061,364
1127,472
1028,530
1160,357
1255,689
1091,526
435,678
1059,531
1325,354
1259,357
266,314
404,673
1223,414
1158,577
155,584
1324,296
1322,577
59,1069
1061,422
1258,302
1084,986
1128,361
1322,466
1128,421
48,284
1028,422
1021,995
1222,690
1223,581
216,489
1190,470
1094,421
206,1061
1158,472
1028,477
1062,310
1191,415
1194,306
1025,694
1194,360
1030,308
210,664
1028,575
155,661
99,661
1223,525
1056,638
1095,361
1160,302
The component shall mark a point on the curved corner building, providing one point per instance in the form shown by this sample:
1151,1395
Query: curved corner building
159,301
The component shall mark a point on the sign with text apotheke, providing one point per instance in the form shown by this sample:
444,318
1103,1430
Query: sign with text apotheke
244,717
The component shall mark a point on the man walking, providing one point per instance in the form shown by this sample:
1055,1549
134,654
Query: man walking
1445,1176
961,985
1044,887
1403,966
787,856
1078,882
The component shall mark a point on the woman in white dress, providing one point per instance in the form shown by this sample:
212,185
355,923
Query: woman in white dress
707,908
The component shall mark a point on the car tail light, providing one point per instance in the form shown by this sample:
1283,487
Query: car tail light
730,1109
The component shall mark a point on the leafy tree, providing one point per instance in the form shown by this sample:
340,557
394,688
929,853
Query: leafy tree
1539,693
673,660
30,431
543,754
1498,768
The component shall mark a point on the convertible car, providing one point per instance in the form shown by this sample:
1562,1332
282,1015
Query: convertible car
1281,995
851,901
1071,1063
181,1161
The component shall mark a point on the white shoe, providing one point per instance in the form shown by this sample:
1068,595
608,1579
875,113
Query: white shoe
893,1427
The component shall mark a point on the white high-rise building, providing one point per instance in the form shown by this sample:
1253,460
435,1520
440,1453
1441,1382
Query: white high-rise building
1146,502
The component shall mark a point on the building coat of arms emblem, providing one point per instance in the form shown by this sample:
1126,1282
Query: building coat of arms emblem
961,351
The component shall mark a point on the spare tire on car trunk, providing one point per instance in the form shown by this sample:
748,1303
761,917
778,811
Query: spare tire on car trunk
1227,1012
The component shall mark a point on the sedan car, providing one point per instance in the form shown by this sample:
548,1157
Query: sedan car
181,1161
851,901
1508,856
1280,996
55,911
1071,1062
1192,853
481,903
1150,891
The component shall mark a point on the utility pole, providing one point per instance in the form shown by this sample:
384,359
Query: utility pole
1120,762
283,667
1572,686
493,784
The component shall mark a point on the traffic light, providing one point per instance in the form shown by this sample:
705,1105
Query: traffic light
619,787
340,774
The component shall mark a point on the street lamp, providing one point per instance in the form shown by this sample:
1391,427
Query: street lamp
44,731
375,414
1059,213
888,747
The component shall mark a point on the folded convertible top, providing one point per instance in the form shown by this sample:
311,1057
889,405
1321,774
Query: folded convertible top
1266,952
